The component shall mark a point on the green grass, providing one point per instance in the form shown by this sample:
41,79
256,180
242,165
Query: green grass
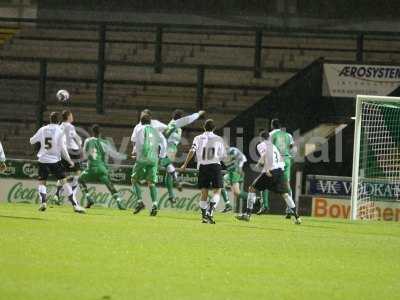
109,254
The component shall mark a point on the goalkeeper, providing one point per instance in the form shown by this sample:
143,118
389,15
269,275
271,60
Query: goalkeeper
95,150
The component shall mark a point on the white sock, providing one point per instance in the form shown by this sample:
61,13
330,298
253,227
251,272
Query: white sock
289,200
170,168
68,191
215,199
75,193
203,204
42,192
251,199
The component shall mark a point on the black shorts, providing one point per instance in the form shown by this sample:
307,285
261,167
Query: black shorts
76,158
210,176
55,169
276,183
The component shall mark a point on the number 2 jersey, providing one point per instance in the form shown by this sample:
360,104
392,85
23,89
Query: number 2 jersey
270,156
52,144
209,148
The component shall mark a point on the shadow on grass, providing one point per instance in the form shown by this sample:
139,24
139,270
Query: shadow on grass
22,218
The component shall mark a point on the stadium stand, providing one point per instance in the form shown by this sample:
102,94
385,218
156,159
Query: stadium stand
131,83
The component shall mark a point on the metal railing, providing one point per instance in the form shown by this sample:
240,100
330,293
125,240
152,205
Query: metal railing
158,30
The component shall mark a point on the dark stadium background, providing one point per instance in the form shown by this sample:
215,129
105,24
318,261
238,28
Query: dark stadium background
245,62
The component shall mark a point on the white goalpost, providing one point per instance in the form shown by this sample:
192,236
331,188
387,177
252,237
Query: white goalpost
376,155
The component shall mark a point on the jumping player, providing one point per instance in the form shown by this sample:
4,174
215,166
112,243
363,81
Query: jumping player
173,133
271,179
52,148
74,145
210,151
95,150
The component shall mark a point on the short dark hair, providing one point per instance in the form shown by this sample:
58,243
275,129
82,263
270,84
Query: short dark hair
264,134
146,112
145,119
54,117
276,124
209,125
65,114
177,114
96,130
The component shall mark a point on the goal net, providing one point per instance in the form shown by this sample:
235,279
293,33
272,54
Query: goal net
376,157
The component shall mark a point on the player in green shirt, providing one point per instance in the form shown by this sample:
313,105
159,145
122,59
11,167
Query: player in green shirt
285,144
234,177
173,134
95,150
149,147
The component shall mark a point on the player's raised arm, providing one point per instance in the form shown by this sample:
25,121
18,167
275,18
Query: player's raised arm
184,121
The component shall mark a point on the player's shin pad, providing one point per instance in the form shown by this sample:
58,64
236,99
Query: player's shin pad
251,199
42,193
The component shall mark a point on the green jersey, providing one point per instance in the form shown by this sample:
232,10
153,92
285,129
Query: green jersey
95,152
283,141
173,133
148,144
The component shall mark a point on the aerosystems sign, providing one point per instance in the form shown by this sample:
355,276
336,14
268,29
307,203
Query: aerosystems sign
349,80
25,191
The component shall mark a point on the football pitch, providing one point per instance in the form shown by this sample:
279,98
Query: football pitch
111,254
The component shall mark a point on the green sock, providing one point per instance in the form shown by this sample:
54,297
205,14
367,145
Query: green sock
243,195
225,196
137,191
153,194
169,184
265,198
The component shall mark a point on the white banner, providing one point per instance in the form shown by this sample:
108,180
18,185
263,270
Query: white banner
25,191
349,80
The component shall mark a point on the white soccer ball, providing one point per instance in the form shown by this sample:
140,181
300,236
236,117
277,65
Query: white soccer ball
62,95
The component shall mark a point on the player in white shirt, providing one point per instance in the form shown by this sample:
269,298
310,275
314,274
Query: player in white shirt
2,158
264,200
74,146
271,179
52,148
210,150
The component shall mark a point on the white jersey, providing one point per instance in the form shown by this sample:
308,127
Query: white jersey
262,147
2,155
159,126
209,148
73,140
271,158
52,144
139,141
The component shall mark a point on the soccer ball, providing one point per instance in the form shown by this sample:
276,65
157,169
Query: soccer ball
62,95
